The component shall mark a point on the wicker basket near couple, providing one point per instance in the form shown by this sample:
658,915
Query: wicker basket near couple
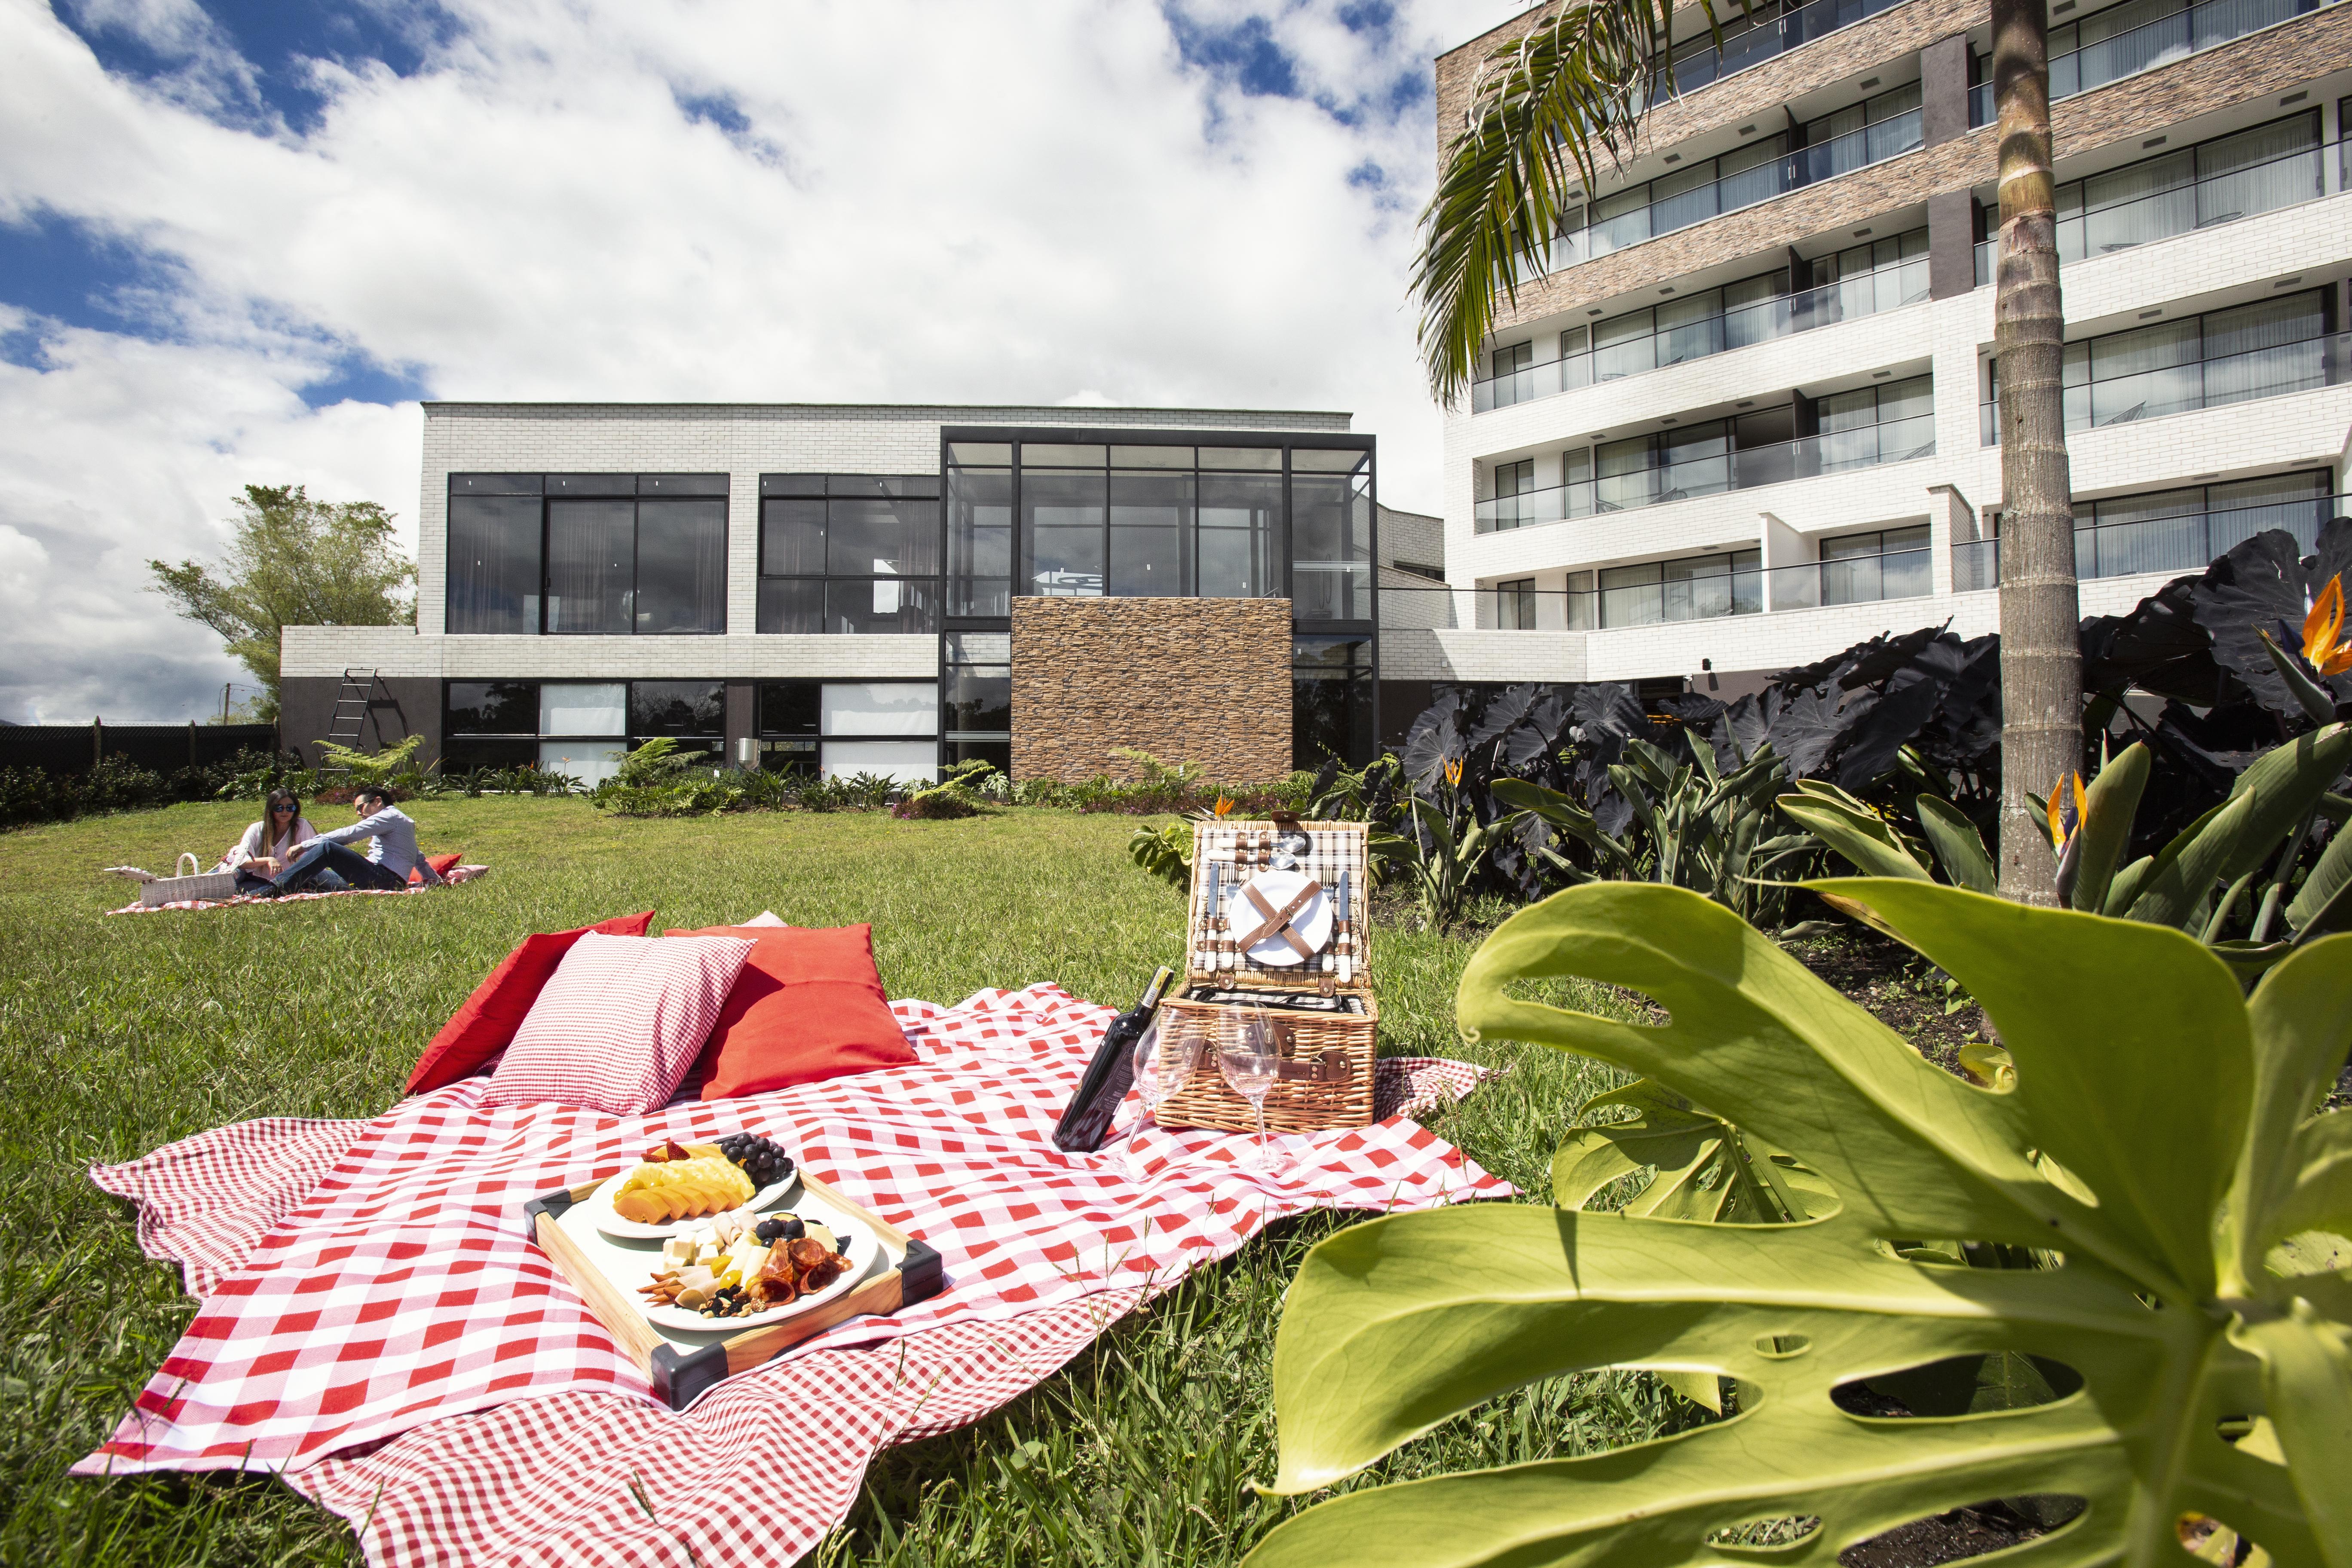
1271,1028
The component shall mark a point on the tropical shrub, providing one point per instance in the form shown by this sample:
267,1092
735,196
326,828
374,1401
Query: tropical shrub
958,794
381,767
2129,1260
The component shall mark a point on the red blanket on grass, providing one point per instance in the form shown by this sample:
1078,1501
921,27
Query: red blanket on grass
368,1283
454,874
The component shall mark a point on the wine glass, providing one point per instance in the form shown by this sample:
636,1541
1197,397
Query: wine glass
1165,1055
1250,1057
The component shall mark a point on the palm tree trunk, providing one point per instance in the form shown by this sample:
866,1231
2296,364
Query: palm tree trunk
2041,650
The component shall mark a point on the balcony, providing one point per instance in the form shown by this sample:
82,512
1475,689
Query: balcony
2104,228
1702,60
1858,579
2184,31
2122,399
1785,315
1688,203
2172,545
1808,457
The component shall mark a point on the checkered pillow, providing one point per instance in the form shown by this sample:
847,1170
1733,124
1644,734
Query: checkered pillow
619,1024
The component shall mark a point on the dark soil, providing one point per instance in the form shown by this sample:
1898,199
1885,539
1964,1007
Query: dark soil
1899,988
1964,1532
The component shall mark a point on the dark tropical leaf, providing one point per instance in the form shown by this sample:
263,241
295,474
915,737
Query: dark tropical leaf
1434,740
1692,709
2257,587
1534,746
1505,711
1612,814
2157,647
1609,715
1746,725
1909,700
1806,730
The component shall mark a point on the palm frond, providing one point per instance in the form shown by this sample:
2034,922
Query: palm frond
1544,112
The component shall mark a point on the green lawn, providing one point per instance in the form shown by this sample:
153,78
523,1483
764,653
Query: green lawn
118,1034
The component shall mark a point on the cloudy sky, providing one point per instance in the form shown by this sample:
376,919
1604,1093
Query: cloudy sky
239,238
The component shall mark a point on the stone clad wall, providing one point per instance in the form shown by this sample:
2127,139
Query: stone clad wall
1198,680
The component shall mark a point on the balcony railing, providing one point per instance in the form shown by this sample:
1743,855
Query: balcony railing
1777,36
2167,38
2283,182
2172,545
1808,457
1857,580
2203,384
1784,315
1791,171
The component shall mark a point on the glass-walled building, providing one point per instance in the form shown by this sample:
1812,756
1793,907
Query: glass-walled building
834,588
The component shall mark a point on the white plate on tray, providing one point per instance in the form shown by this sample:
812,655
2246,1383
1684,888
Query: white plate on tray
599,1205
863,1245
1312,922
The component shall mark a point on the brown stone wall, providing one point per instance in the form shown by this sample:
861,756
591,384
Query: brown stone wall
1189,680
2286,56
1760,89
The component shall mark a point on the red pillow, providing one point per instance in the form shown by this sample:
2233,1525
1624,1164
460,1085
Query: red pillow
486,1025
807,1005
441,865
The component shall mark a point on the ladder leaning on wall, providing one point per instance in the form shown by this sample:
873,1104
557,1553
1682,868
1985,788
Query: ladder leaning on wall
350,720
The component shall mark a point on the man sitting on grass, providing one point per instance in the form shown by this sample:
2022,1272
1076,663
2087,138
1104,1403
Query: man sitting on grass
386,864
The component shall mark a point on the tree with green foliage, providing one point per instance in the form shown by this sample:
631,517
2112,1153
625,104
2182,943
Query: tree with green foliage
293,562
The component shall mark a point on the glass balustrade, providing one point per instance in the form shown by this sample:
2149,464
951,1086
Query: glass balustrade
2167,39
2273,372
1582,610
1784,315
1808,457
2103,230
2172,545
1762,182
1855,579
1701,60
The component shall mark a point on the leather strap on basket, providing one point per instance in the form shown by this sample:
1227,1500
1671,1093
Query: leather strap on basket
1277,921
1331,1066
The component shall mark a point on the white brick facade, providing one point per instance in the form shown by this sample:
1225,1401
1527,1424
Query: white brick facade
2229,263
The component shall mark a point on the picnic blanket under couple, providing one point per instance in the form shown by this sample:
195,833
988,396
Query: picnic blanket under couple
375,1327
455,874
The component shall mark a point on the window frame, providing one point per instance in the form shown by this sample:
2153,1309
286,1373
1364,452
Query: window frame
544,489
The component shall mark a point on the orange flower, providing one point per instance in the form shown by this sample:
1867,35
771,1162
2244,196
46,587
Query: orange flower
1453,773
1224,807
2323,643
2066,816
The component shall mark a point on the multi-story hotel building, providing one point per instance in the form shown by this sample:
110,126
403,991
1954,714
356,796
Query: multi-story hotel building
1745,418
879,589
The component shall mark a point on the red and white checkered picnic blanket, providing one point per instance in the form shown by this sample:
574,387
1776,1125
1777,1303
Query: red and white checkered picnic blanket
455,874
370,1283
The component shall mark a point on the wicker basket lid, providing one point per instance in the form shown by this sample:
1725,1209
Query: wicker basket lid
1231,855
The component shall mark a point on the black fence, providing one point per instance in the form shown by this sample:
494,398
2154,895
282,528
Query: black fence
68,749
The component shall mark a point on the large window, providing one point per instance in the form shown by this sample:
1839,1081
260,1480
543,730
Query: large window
849,553
976,697
603,554
1331,687
841,728
1696,588
2184,528
1331,535
582,727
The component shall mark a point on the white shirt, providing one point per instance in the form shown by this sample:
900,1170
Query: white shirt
250,846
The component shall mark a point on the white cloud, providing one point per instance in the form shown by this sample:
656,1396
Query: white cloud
1027,202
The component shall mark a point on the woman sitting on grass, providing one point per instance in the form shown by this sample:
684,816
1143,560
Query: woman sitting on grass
268,844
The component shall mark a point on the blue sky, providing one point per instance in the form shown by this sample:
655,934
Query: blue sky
239,239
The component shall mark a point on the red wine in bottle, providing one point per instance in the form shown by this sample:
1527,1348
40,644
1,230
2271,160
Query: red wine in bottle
1085,1121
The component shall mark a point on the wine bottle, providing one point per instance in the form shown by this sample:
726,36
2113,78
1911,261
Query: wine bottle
1085,1121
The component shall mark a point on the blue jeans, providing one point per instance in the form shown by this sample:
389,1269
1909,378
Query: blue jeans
318,859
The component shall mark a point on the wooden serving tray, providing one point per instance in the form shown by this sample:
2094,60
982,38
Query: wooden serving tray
684,1364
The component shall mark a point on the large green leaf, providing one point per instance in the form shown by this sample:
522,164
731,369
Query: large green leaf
2325,904
1394,1326
1861,836
1699,1166
2269,800
1958,846
2297,1016
2099,1066
2108,808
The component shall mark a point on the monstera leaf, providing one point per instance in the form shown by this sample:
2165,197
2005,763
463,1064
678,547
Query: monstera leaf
2158,1136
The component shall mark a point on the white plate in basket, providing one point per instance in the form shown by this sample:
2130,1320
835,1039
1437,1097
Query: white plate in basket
600,1209
1312,922
863,1245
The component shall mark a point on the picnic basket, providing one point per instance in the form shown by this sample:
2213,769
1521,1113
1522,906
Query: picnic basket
1323,1010
189,884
